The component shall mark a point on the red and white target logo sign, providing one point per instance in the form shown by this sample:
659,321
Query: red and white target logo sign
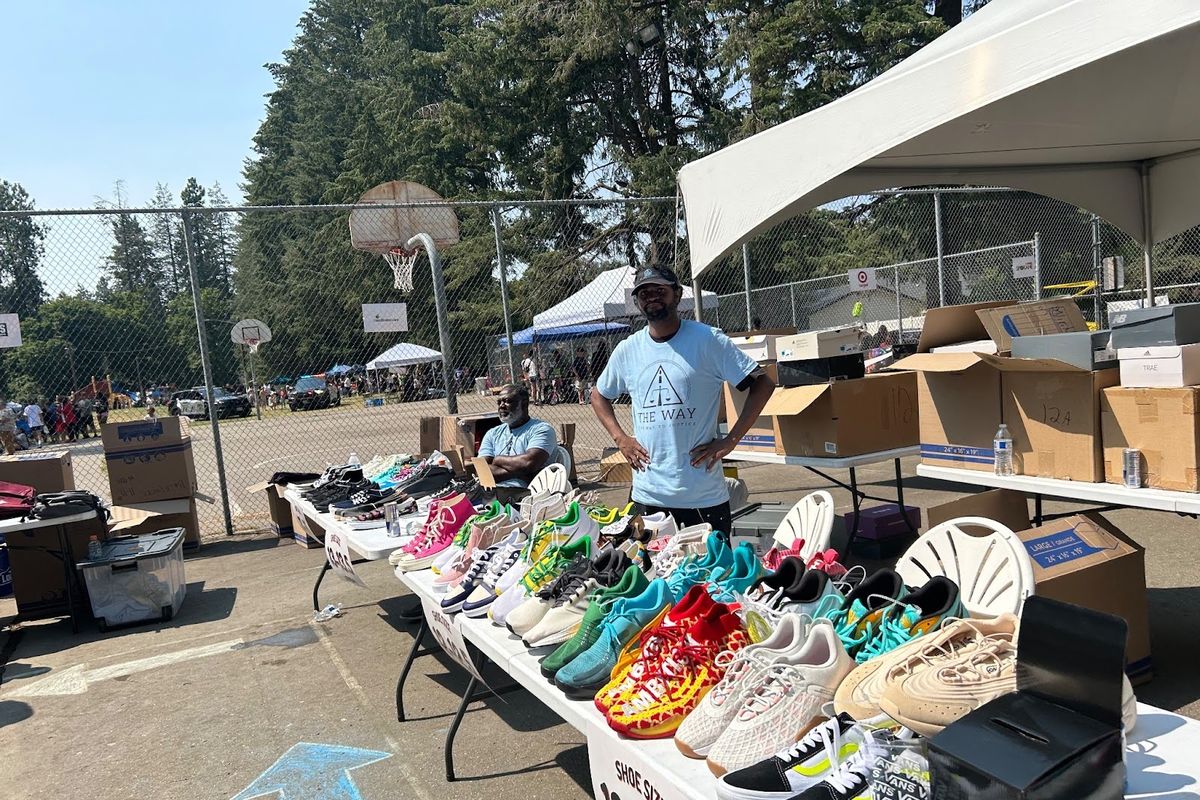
862,279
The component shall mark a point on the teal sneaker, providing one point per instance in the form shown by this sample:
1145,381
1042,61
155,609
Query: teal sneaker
633,582
698,569
857,618
590,670
726,583
917,613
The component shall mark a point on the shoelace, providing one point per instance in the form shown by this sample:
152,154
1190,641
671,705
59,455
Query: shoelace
929,655
576,568
892,631
827,735
481,564
828,563
432,531
574,588
996,653
852,774
737,665
776,683
683,660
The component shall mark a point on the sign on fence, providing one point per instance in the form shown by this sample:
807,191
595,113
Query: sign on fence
337,552
863,279
10,330
385,317
1024,267
447,634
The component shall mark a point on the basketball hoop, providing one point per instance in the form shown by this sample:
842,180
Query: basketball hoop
252,345
402,262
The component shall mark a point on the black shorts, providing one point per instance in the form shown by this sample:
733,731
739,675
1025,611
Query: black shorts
720,517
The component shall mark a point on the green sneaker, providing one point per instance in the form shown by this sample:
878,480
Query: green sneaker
553,562
632,584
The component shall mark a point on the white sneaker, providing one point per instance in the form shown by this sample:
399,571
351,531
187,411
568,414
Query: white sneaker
567,527
785,701
688,541
701,728
484,594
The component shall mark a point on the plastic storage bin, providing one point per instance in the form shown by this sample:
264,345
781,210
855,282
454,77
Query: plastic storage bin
137,578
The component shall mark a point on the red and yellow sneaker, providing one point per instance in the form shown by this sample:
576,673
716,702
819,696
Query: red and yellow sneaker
656,639
676,683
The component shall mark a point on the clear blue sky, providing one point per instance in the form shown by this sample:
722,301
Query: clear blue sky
134,90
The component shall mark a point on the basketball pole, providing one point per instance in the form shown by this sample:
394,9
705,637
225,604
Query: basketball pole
439,300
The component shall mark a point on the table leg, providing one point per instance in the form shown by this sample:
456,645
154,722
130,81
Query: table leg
68,576
317,588
856,498
1037,510
408,662
900,499
448,751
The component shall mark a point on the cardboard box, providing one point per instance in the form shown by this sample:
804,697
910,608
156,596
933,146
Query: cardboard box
149,460
566,440
1169,366
951,325
1163,424
38,581
306,531
466,431
151,517
1157,326
1086,560
977,346
1037,318
279,509
822,370
959,408
1005,506
820,344
1083,349
1058,737
44,470
761,436
1052,411
845,418
759,346
431,434
615,470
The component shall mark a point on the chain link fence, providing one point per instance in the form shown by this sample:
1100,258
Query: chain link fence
108,302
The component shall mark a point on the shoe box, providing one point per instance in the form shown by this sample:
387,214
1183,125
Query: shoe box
39,585
44,470
1058,737
843,418
149,460
882,531
820,344
822,370
1086,350
1169,366
278,508
1163,424
1170,325
762,346
139,518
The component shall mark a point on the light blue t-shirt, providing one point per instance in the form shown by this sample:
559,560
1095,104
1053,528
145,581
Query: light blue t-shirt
675,387
505,441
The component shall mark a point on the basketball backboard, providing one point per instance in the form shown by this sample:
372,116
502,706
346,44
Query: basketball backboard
250,332
381,230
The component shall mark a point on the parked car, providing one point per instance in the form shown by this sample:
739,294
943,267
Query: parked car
310,392
193,403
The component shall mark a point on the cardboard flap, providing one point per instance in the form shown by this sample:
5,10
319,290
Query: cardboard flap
787,402
1007,364
953,324
134,514
259,487
939,362
1031,319
483,471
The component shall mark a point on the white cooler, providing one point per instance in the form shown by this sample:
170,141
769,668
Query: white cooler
136,578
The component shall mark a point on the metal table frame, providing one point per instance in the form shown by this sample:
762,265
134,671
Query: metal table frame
10,527
817,466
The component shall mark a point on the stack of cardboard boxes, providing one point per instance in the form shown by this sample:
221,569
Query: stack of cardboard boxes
152,476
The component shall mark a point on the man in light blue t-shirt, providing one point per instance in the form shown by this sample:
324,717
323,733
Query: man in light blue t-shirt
673,371
519,447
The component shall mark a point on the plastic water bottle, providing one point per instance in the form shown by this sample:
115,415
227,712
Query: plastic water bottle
353,460
1002,446
94,551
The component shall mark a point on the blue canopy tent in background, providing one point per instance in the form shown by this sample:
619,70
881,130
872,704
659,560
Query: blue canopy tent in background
339,369
537,335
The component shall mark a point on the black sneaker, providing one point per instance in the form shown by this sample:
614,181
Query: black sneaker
803,767
343,473
434,479
342,492
363,501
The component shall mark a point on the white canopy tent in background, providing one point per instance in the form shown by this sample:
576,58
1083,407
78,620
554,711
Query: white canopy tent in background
403,355
607,297
1093,102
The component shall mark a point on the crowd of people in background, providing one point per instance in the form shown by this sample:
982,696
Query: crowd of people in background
555,377
34,423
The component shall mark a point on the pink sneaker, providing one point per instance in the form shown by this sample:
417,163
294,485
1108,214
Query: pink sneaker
828,563
775,556
418,539
452,514
490,532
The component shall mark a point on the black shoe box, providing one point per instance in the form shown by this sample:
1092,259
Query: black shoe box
821,370
1058,737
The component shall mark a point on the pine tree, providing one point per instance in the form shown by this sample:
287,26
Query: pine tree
166,236
21,290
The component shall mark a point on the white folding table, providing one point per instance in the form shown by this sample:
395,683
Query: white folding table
817,465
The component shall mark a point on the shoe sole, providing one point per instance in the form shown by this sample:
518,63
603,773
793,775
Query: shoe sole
661,731
579,692
727,792
699,753
454,608
414,564
559,637
475,612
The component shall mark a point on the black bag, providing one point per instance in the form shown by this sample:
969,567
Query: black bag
66,504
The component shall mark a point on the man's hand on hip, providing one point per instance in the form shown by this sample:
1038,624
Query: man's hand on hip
633,451
709,455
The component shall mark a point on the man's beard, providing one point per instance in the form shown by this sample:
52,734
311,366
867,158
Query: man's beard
658,314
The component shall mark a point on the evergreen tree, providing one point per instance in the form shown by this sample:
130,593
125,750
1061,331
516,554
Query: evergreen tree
222,238
166,236
21,238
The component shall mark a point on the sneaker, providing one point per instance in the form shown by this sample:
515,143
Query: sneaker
571,598
364,500
785,701
493,511
851,779
451,517
670,690
858,616
698,569
642,654
540,575
456,596
667,555
725,584
431,518
798,767
916,613
481,598
860,692
591,669
632,584
570,575
827,561
565,528
491,532
703,727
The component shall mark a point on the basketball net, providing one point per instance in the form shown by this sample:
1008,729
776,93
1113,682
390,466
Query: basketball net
402,262
252,345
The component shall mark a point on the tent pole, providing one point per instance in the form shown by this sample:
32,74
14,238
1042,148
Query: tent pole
697,301
937,231
503,267
1147,235
439,301
746,284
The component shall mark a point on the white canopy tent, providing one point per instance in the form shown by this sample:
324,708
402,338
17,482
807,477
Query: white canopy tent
608,297
403,355
1089,101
